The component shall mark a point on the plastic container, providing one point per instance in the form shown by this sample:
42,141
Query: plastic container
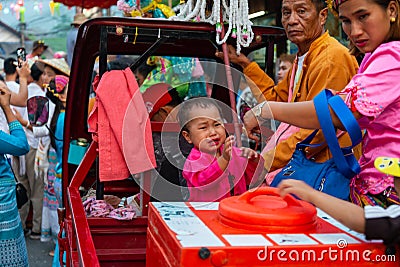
77,149
258,228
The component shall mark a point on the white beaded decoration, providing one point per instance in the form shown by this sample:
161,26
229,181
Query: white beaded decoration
236,14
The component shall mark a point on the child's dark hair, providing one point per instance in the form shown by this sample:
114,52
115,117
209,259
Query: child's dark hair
186,106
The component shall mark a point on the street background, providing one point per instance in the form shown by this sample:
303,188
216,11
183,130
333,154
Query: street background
38,253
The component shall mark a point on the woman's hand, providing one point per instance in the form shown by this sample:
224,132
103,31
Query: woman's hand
24,71
5,96
19,117
249,153
251,126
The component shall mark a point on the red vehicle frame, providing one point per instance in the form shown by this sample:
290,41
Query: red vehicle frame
103,241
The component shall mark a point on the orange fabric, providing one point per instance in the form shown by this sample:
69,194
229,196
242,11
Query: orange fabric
91,104
327,64
120,123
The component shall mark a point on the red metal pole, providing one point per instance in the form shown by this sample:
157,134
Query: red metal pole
238,130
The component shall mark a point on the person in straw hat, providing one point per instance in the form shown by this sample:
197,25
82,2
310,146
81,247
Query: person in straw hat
79,18
52,67
38,49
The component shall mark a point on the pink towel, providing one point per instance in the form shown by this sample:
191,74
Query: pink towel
122,127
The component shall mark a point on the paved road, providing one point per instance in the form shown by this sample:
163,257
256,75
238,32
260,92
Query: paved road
38,253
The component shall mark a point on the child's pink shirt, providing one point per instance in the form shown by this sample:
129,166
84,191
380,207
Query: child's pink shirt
375,93
207,182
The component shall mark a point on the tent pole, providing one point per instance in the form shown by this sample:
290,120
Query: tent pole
236,125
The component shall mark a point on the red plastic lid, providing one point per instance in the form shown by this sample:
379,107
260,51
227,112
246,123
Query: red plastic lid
264,209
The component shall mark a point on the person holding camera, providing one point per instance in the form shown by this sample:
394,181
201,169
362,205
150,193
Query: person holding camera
13,250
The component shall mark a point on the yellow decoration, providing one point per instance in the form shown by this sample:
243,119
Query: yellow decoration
166,10
135,13
329,3
51,5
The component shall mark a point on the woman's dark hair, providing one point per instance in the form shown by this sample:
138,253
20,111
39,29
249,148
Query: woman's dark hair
57,110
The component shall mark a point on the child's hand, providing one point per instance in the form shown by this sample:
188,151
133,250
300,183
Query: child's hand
249,153
299,188
230,140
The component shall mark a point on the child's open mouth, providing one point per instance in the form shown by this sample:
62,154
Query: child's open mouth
213,142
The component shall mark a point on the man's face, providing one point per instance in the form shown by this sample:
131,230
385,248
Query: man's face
40,50
302,23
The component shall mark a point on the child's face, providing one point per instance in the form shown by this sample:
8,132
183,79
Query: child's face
366,23
206,130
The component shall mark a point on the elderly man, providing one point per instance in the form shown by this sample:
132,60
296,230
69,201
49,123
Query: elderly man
321,62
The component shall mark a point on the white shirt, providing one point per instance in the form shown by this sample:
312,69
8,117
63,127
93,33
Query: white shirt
300,61
14,87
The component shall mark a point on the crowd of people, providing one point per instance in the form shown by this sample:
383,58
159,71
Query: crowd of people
214,168
36,169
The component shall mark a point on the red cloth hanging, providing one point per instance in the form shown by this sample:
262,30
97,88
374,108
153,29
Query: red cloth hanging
120,124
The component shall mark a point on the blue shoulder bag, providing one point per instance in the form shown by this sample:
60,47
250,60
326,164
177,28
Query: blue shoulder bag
332,176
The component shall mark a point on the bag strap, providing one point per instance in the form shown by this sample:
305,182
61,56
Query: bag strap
307,141
343,157
9,163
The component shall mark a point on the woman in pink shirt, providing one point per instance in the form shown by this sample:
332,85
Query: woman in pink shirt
373,95
215,168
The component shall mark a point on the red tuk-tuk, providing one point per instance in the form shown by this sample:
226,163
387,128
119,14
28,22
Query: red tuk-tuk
90,241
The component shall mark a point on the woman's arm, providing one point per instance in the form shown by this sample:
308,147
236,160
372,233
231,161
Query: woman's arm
22,96
14,143
300,114
345,212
